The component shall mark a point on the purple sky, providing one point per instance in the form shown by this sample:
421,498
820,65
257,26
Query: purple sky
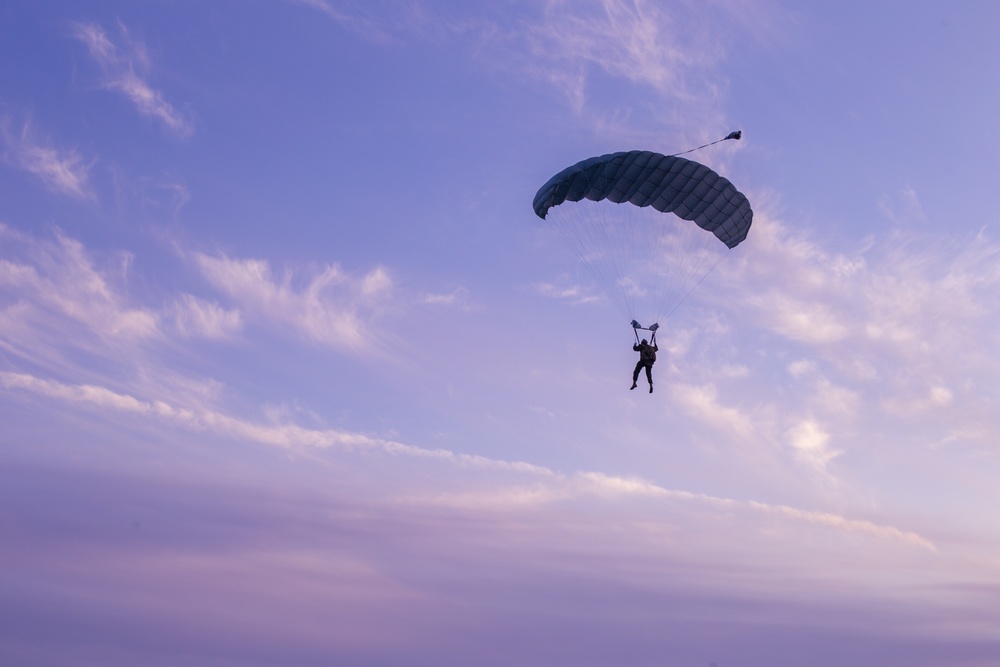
291,374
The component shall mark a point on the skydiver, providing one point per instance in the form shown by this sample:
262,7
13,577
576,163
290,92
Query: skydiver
647,357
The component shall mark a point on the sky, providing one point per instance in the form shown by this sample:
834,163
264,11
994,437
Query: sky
291,373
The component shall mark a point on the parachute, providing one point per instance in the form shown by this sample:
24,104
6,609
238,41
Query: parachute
628,216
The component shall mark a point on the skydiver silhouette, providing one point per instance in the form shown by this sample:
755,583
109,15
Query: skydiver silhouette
647,357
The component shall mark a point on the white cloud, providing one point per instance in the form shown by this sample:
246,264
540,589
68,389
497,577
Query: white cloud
886,338
940,397
163,195
58,279
910,297
197,318
703,402
441,299
124,68
330,307
802,320
836,400
61,170
457,295
632,39
459,299
353,19
376,283
65,309
905,209
811,443
575,294
934,398
840,522
547,485
671,58
734,371
395,22
61,305
801,368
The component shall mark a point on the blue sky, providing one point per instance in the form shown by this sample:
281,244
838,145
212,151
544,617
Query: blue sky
291,374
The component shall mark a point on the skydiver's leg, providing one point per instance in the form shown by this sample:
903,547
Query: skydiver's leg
649,376
635,374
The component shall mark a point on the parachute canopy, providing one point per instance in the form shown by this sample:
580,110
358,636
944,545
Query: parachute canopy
642,257
669,184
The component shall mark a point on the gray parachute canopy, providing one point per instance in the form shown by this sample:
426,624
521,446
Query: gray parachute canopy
667,183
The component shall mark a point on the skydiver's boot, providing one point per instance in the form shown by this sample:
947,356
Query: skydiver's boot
650,387
633,386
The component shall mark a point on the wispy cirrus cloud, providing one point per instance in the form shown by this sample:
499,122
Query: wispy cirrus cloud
58,301
62,170
671,59
637,41
124,69
353,18
575,294
329,306
548,485
914,295
397,21
457,298
62,306
883,338
811,443
55,280
906,301
703,402
199,318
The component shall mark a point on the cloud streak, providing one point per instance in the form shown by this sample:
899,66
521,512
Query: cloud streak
287,563
575,294
670,59
330,306
198,318
885,338
352,19
63,171
57,301
53,287
292,436
124,69
631,39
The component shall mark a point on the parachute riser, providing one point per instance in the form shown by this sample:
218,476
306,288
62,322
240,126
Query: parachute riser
652,328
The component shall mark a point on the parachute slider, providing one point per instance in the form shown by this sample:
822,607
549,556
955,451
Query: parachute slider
738,134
